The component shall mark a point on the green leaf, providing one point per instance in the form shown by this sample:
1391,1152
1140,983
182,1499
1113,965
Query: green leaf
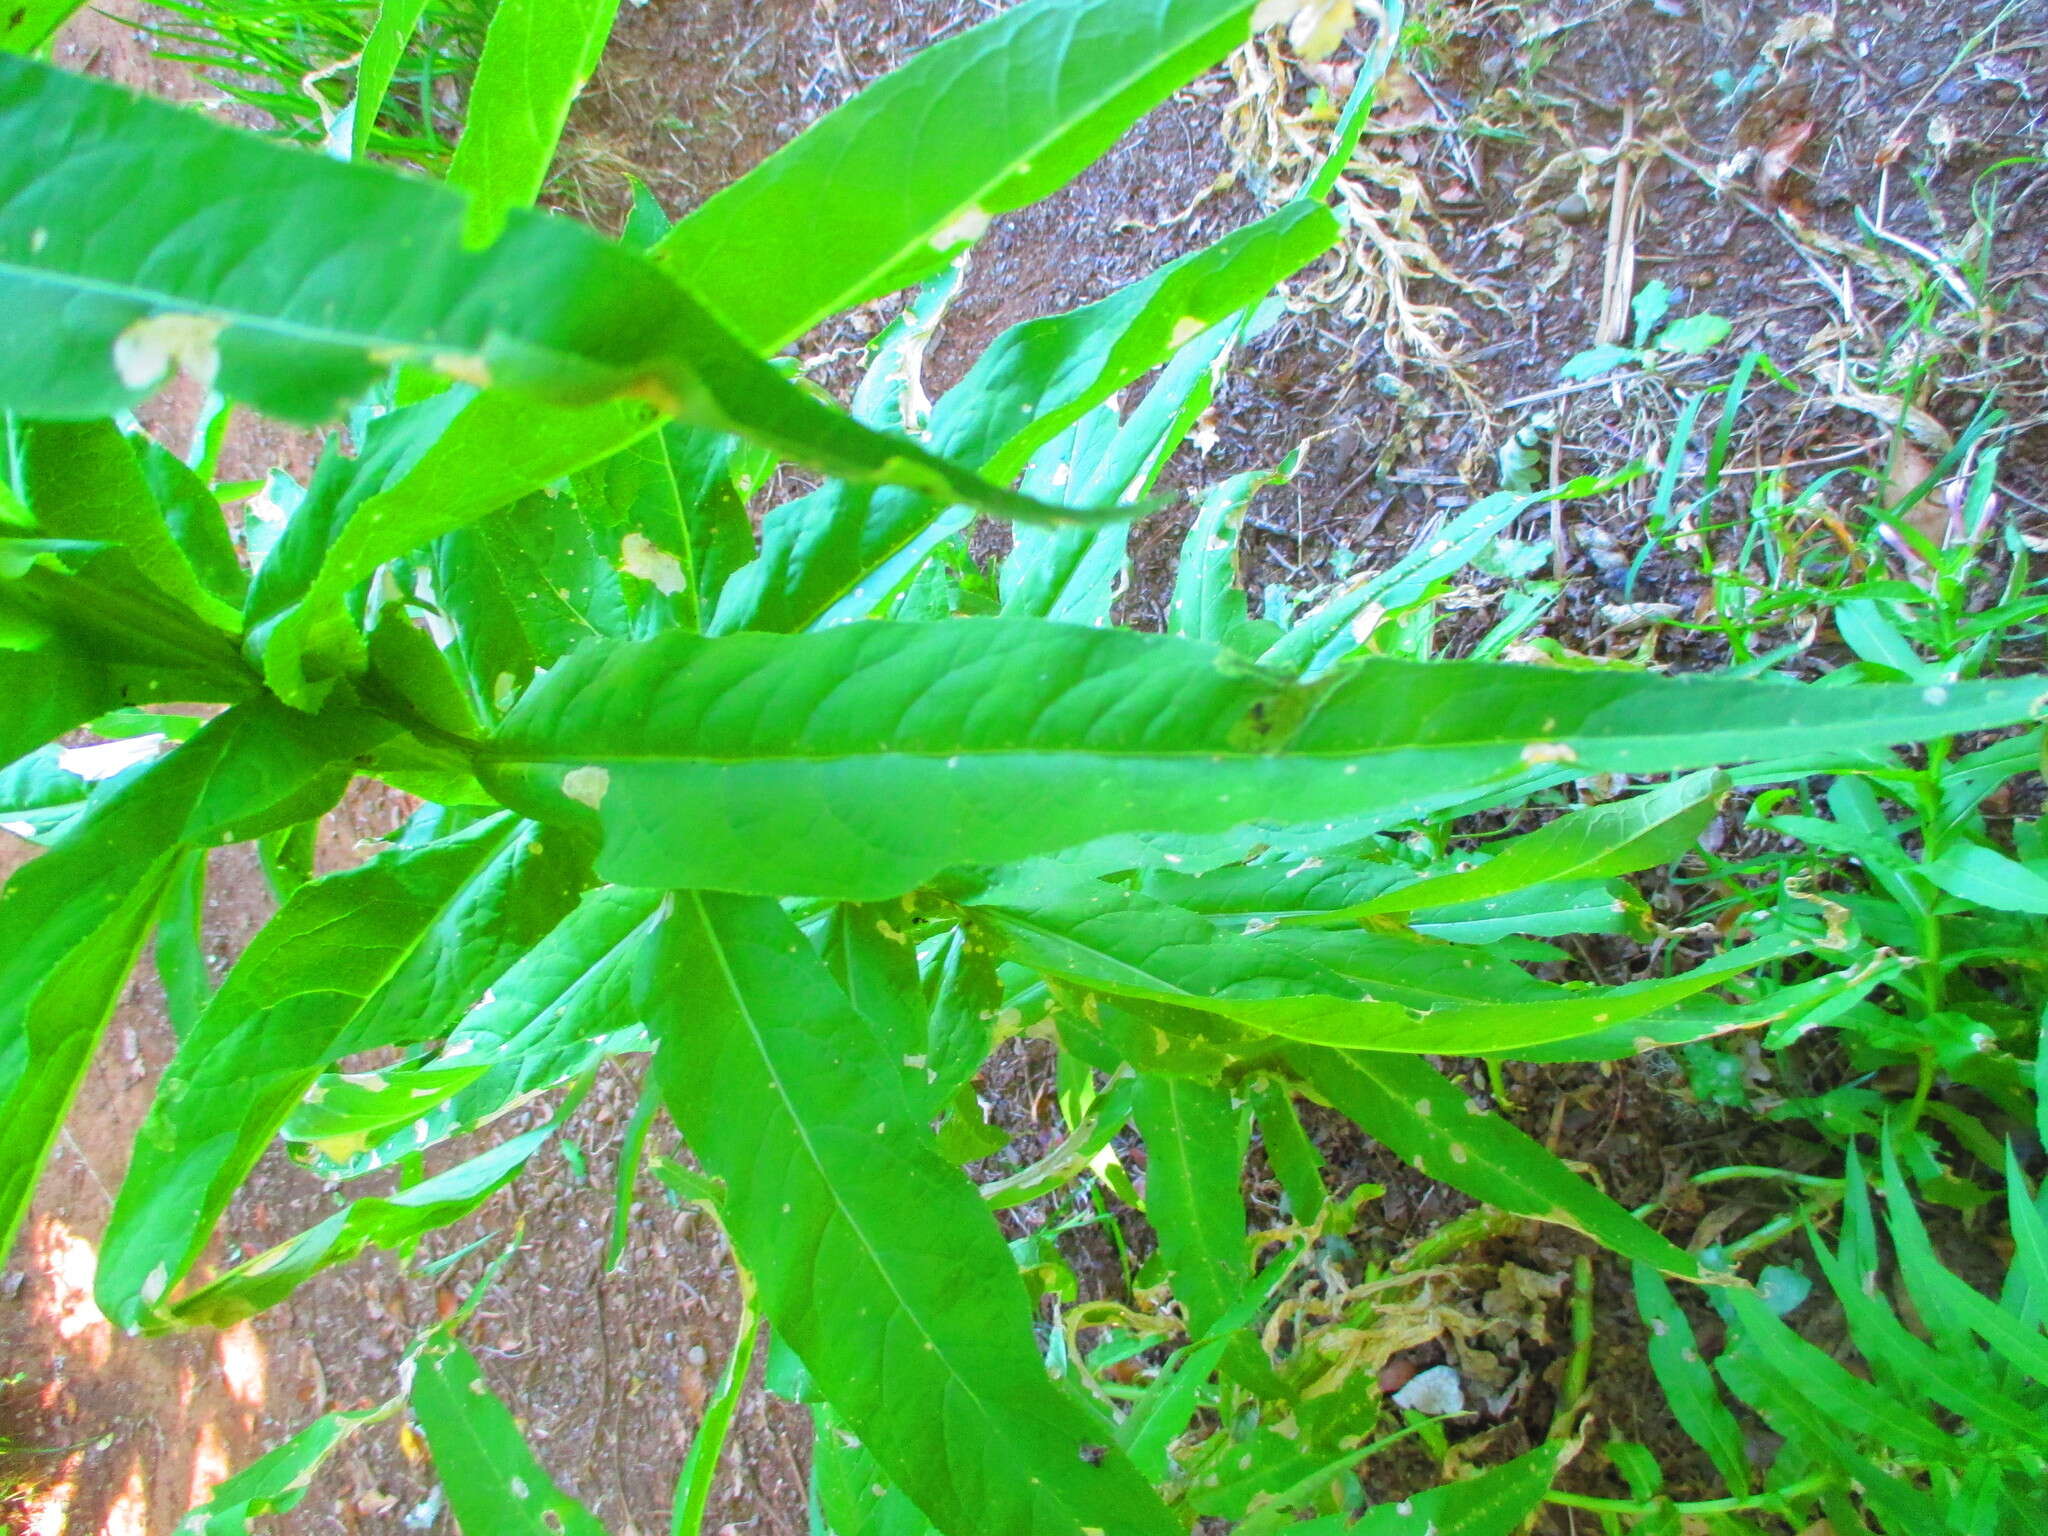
103,183
28,24
1497,1502
1371,991
262,1282
1688,1381
81,480
1650,306
276,1482
1694,334
1073,574
195,522
390,953
859,761
1989,878
875,1261
1208,602
73,920
1591,843
383,51
850,1493
1594,361
88,615
1800,1389
564,1006
1195,1143
38,795
896,181
1293,1157
522,588
700,1463
965,1002
495,1486
180,949
869,954
537,55
1332,629
1424,1118
848,547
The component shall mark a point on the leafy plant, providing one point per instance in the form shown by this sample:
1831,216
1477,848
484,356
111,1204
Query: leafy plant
368,78
799,816
1936,1425
1657,335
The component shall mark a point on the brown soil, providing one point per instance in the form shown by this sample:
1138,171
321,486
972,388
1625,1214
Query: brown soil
611,1372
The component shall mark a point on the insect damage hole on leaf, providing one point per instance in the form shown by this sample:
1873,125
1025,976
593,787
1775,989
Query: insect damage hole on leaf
640,556
147,352
587,786
965,227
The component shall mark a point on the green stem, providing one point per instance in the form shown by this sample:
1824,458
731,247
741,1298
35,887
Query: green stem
1772,1502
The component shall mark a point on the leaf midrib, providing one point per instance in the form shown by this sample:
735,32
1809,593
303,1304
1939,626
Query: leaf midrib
167,301
770,1065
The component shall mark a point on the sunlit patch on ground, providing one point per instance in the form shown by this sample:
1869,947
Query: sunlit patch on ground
48,1509
65,1262
128,1515
242,1365
210,1464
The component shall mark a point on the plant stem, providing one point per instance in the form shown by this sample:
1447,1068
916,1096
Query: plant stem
1776,1502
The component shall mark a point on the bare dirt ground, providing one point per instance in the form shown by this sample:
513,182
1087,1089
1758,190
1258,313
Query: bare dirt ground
1737,142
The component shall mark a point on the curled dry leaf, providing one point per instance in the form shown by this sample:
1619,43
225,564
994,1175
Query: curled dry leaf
1314,27
1780,153
1796,34
1896,414
1403,103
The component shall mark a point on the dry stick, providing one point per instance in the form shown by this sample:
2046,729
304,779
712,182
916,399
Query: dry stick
1618,274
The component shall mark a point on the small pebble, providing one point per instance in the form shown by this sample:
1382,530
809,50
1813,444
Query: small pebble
1573,208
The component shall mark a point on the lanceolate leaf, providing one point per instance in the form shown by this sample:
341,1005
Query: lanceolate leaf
859,761
72,921
102,191
1208,602
897,180
1593,843
505,448
1688,1381
875,1261
1034,380
267,1279
85,614
565,1004
495,1486
1195,1142
1372,991
537,54
1496,1502
387,954
1423,1117
28,23
277,1481
382,53
81,480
